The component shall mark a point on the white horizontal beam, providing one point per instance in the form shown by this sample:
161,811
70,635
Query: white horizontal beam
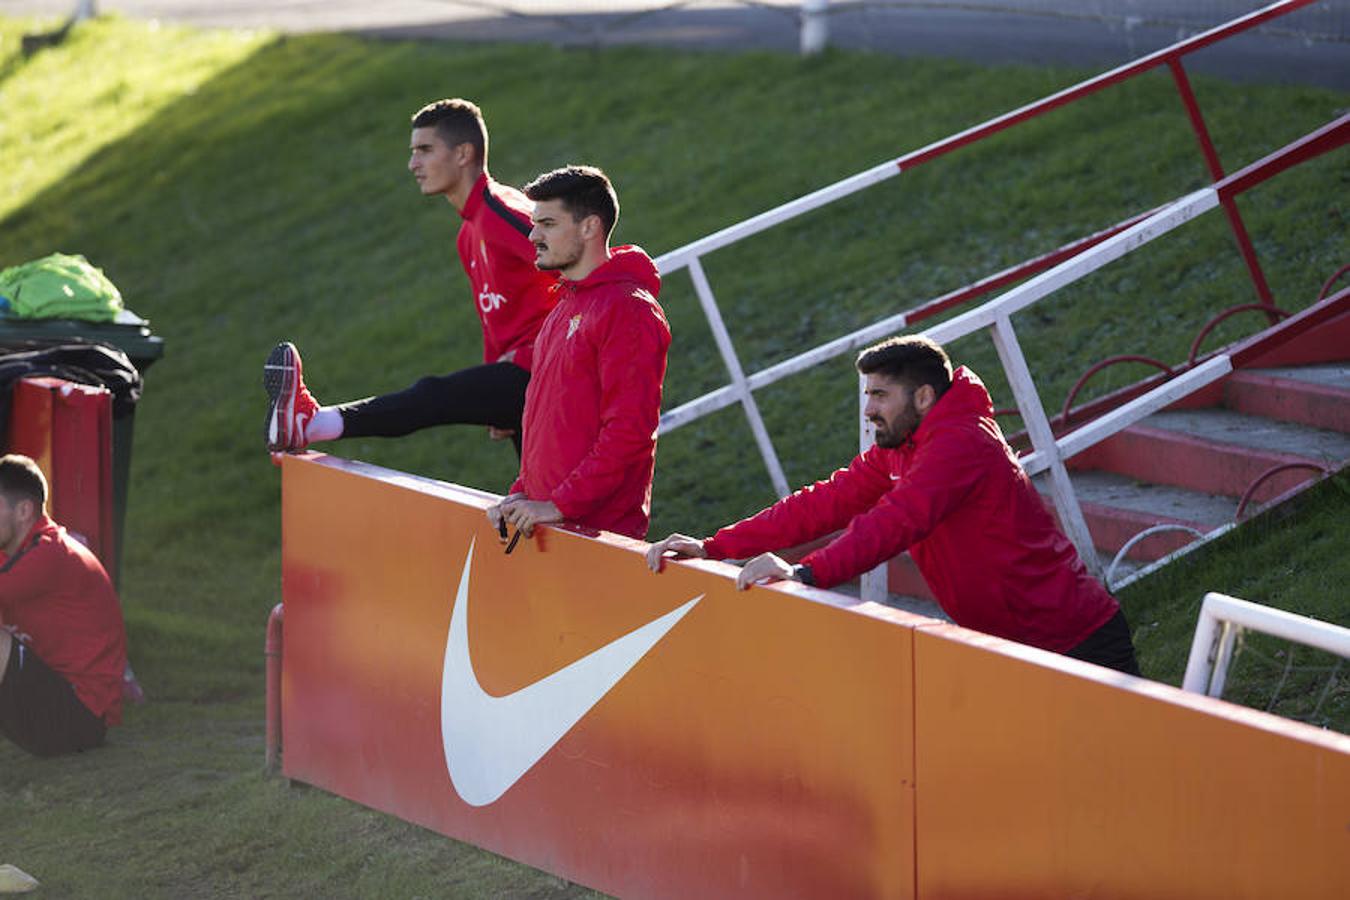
851,341
725,396
1219,608
983,316
698,408
1289,626
680,257
1123,417
1069,271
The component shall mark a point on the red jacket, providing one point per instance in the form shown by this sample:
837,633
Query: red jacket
594,400
512,297
955,497
56,596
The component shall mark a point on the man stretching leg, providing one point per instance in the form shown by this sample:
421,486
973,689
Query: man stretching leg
449,151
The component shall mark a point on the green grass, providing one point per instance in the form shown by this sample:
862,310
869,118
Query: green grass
243,187
1289,558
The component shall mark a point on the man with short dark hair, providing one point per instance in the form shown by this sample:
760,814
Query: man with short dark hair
942,483
594,402
449,152
62,640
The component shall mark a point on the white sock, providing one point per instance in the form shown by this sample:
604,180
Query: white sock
325,426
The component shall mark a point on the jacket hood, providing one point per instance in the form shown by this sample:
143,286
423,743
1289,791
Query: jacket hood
626,263
967,398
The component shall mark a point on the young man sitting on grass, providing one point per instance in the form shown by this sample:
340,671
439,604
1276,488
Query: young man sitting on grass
63,646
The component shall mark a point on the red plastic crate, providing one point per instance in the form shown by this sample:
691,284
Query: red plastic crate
67,429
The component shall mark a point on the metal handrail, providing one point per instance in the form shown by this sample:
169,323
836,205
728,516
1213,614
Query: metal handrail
1066,414
742,386
1222,317
1049,452
1250,494
1216,631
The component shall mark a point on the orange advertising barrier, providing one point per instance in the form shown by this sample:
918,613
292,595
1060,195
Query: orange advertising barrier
669,736
760,744
1040,776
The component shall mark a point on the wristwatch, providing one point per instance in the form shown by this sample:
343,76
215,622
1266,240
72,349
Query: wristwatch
804,575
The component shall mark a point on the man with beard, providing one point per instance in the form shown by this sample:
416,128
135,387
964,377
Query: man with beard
594,401
943,484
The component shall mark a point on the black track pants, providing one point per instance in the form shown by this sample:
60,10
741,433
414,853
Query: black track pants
492,394
1109,646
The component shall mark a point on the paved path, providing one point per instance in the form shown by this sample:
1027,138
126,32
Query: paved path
772,25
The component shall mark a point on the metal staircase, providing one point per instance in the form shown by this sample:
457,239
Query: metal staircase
1189,472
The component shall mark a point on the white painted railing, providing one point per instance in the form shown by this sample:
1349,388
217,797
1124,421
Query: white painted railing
1216,631
996,314
742,387
1049,453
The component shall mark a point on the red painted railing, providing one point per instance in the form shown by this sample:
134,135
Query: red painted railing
1323,140
1229,186
1172,58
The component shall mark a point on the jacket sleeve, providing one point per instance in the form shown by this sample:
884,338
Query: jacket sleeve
809,513
938,479
631,363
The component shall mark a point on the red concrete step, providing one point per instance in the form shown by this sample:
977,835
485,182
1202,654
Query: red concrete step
1318,395
1117,507
1216,451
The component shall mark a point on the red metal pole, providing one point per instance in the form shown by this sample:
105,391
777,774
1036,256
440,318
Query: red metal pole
1092,85
1216,172
272,754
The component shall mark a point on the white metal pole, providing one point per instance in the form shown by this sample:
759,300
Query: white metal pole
733,364
815,26
1200,663
85,9
1223,657
1043,439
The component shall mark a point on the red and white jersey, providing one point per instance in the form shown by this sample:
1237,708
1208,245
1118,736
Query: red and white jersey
55,595
511,295
594,401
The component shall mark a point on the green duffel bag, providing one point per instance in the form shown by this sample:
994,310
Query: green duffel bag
59,286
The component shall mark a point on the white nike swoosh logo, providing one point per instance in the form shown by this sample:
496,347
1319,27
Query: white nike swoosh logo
491,742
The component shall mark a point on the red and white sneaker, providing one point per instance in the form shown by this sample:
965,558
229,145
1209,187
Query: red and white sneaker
291,407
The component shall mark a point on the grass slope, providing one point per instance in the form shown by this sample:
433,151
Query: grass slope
1293,559
244,187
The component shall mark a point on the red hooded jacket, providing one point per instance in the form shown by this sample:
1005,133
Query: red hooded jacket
56,596
594,400
511,296
955,497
